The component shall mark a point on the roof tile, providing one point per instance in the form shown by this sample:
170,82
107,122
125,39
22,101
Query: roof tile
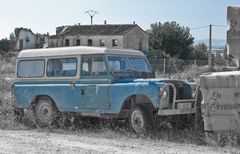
97,29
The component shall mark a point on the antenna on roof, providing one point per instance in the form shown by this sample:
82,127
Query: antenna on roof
91,13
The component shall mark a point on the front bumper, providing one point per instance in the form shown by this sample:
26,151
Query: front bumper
174,109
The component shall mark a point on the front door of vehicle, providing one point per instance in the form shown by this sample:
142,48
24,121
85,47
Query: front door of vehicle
93,88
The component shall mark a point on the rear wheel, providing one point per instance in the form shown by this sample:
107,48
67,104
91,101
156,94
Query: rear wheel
45,111
140,119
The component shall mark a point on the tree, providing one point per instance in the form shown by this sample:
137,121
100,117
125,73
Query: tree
8,44
4,45
173,39
200,52
12,41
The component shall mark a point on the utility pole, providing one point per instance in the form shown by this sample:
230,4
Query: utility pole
210,48
91,13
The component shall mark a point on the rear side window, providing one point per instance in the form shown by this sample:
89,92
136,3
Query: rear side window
62,67
30,68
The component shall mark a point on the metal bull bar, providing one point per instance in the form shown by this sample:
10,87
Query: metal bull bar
174,110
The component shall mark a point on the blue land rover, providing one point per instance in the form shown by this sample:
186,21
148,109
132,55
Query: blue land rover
98,82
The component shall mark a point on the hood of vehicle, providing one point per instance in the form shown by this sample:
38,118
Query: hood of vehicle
150,80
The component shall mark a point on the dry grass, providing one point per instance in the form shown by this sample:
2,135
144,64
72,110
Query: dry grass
105,129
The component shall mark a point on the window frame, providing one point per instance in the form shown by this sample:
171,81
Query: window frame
93,76
88,42
51,58
114,44
78,40
44,68
102,43
67,43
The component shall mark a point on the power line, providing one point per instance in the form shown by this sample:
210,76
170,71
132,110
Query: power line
196,28
220,26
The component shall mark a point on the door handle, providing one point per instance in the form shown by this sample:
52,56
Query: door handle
82,92
72,85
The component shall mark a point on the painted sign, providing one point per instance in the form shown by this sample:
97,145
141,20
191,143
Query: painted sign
216,103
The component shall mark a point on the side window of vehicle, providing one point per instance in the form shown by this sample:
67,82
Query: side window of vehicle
30,68
118,64
62,67
93,66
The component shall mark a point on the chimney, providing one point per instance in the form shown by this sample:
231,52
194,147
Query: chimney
134,22
105,22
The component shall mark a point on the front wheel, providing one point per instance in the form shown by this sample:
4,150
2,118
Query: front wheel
140,119
45,112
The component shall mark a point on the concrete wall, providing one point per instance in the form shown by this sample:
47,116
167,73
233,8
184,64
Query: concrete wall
28,38
133,37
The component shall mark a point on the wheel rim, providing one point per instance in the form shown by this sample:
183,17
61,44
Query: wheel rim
44,112
137,121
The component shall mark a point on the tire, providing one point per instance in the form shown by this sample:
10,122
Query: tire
45,112
140,119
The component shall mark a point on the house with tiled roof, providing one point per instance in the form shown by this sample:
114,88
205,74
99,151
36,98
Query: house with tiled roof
129,36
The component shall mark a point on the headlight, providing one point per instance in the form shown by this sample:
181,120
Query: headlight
164,94
193,93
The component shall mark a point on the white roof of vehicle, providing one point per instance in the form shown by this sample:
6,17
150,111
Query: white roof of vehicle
75,51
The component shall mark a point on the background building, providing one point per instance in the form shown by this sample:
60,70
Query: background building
26,39
111,36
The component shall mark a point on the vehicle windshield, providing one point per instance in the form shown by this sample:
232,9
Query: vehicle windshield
129,66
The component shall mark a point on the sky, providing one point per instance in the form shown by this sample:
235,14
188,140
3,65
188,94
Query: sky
43,16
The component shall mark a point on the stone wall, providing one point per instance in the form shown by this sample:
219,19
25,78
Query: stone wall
133,38
60,42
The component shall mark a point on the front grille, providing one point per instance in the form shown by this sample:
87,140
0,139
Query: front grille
179,93
170,96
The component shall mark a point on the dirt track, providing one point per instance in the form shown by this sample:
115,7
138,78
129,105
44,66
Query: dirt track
60,141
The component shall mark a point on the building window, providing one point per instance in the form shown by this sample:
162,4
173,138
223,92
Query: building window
27,39
114,43
78,42
102,43
67,42
89,42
